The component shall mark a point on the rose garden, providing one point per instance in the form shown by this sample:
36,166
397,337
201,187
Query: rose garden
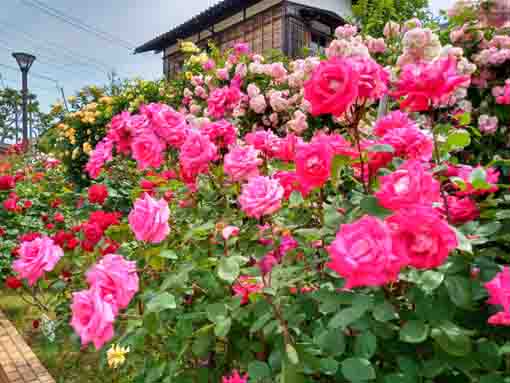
343,218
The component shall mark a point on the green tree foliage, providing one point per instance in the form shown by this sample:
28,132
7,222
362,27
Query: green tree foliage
374,14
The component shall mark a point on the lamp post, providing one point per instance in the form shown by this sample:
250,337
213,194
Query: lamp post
25,61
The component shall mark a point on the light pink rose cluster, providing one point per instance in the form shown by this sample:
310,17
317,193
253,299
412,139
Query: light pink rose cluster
242,162
487,124
499,295
37,257
261,196
502,93
420,44
421,86
113,283
149,219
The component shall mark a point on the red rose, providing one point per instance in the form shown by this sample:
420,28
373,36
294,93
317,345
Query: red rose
56,203
7,182
58,217
50,226
27,204
93,233
2,232
72,243
10,204
98,194
35,324
13,283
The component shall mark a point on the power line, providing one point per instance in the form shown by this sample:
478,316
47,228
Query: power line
78,23
60,49
36,75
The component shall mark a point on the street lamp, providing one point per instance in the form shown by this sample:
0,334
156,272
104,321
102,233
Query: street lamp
25,61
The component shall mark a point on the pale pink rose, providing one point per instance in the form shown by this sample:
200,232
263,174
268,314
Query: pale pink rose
376,45
101,154
261,196
278,102
393,120
423,236
222,74
278,71
313,164
230,231
499,290
114,276
93,317
363,254
258,104
488,124
241,70
149,219
242,162
147,150
197,153
299,123
222,133
252,90
37,257
333,87
391,29
346,31
408,186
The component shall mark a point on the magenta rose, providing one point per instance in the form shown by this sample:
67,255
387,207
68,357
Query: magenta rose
363,254
410,143
101,154
290,183
93,316
197,152
116,277
313,164
147,150
37,257
167,123
242,162
408,186
120,132
423,236
149,219
261,196
393,120
460,210
222,133
333,87
373,78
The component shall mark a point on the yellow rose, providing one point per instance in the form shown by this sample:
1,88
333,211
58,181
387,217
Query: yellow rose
189,47
87,148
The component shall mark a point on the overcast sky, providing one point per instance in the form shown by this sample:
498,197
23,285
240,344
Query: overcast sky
76,58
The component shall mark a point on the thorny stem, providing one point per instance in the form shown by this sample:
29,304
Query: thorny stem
355,128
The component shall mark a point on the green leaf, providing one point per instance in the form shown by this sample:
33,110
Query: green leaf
370,205
162,301
329,366
295,199
222,327
488,229
347,316
399,378
452,339
384,312
358,370
290,373
460,291
338,163
216,311
292,353
258,371
478,178
488,354
458,139
228,269
464,244
331,342
156,373
365,345
381,148
414,331
168,254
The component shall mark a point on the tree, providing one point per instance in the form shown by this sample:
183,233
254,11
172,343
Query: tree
374,14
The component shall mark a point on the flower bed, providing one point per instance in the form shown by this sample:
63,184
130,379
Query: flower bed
329,219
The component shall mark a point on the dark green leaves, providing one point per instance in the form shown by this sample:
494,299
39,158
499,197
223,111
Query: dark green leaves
162,301
358,370
414,331
452,339
370,205
258,371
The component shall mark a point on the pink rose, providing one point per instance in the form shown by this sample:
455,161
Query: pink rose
119,131
167,123
283,148
222,100
197,152
260,139
99,156
488,124
149,219
373,78
222,133
393,120
290,183
499,289
258,104
333,87
116,277
235,378
245,286
147,150
465,173
422,236
93,317
261,196
461,210
410,143
36,257
424,85
313,164
230,231
362,253
242,162
408,186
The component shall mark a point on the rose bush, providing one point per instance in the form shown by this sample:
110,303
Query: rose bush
335,219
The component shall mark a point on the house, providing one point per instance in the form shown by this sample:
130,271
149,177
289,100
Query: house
288,26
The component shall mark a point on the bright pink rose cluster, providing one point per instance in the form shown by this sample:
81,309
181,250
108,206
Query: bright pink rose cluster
36,257
499,295
223,100
113,284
